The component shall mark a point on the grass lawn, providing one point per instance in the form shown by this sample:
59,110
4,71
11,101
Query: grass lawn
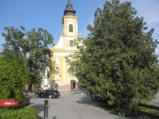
149,111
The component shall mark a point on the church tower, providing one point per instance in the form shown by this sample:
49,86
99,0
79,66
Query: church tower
64,47
70,21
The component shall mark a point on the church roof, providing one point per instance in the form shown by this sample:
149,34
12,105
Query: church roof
69,10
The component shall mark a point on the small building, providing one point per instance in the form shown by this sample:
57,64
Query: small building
64,47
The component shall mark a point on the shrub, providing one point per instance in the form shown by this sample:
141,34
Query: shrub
22,113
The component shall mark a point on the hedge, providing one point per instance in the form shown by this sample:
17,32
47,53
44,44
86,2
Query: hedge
22,113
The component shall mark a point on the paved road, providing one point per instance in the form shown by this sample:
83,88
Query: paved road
71,105
155,101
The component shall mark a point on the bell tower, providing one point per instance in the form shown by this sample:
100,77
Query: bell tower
64,47
69,21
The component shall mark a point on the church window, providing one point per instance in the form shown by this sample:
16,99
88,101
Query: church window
70,28
71,43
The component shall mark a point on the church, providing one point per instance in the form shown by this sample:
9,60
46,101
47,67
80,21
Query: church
64,47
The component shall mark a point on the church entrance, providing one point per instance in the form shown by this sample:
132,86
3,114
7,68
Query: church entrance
73,84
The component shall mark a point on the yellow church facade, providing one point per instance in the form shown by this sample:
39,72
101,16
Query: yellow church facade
64,47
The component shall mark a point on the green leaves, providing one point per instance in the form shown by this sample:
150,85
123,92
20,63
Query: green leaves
22,113
13,78
118,61
24,49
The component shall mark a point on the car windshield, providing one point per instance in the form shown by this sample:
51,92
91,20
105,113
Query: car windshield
49,90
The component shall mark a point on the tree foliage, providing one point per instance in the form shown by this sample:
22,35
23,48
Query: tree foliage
13,76
33,45
117,61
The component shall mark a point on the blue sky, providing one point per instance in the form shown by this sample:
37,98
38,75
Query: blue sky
48,14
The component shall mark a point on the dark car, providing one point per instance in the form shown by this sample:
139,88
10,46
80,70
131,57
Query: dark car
47,94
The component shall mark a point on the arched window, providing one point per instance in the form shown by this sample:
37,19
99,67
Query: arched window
71,43
70,28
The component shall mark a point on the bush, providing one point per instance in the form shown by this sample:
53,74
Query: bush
22,113
13,76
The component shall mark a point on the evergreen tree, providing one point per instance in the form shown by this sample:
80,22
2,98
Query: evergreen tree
117,61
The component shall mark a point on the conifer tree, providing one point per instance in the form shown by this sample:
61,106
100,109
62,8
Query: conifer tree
117,60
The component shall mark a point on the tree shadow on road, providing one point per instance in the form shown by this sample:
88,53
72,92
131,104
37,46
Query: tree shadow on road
38,107
54,117
85,99
74,92
41,117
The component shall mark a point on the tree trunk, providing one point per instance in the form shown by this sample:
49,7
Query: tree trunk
30,87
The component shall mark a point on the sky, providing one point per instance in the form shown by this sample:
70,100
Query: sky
48,14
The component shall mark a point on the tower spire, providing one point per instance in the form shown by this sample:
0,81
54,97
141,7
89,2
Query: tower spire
69,2
69,10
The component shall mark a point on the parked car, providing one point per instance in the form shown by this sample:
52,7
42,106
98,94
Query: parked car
13,103
47,94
